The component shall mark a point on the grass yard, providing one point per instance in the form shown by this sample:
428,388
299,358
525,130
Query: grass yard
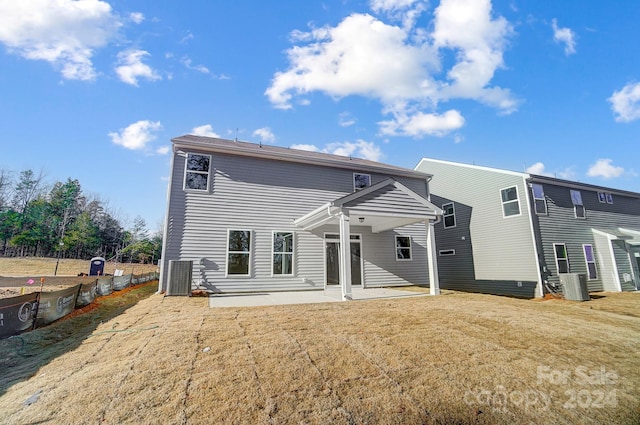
453,359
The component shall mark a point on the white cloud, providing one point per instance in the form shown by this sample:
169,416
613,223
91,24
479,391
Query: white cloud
568,174
565,36
359,149
539,169
303,147
136,17
265,135
467,28
64,33
131,67
604,168
626,103
400,65
421,124
163,150
136,136
204,130
345,119
200,68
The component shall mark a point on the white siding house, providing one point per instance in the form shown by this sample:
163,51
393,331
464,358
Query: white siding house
255,217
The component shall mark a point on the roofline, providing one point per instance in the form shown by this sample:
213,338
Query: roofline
473,166
295,155
534,178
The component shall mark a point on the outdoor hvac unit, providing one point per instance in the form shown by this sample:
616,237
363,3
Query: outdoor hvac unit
180,278
574,286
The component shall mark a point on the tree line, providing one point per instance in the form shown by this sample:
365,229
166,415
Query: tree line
59,220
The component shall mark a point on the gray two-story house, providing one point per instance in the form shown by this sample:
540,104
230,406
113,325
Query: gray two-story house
253,217
512,233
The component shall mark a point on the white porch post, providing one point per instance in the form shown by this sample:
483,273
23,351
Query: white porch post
345,256
434,283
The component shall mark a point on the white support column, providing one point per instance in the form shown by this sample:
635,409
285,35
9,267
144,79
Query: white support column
345,256
434,283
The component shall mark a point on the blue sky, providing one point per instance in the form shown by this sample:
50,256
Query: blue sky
94,90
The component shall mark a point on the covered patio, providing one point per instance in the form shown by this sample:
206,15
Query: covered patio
383,206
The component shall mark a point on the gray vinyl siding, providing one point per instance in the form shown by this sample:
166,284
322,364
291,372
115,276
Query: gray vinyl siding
561,226
265,195
387,199
498,252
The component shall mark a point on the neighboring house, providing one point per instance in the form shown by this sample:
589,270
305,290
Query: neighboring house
512,233
255,217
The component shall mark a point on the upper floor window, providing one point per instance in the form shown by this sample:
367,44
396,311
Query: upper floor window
510,202
578,206
605,197
539,201
403,247
282,253
360,181
449,215
196,172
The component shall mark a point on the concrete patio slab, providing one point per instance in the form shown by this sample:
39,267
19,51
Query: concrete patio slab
329,295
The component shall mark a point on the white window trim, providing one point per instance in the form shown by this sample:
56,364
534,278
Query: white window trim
395,240
602,197
555,254
609,198
354,181
184,176
453,214
251,242
516,200
586,261
543,199
446,252
293,254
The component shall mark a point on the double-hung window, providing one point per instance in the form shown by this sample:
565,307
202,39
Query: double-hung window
403,248
539,201
578,206
196,172
449,215
562,258
590,259
510,202
282,263
238,252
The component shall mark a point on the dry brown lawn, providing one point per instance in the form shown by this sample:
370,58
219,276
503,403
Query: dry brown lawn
15,273
453,359
42,266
